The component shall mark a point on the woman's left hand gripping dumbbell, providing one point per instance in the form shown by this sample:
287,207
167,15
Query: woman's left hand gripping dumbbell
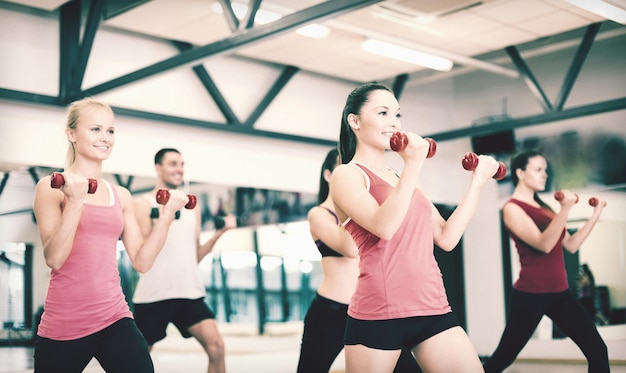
174,200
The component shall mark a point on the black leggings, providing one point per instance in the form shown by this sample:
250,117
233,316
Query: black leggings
322,340
119,348
565,311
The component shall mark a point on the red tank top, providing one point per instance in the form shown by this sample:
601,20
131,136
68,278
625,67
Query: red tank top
398,277
540,272
84,295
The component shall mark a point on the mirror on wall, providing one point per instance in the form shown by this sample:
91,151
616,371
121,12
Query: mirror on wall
589,164
15,291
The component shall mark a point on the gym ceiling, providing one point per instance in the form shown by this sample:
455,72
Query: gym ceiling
490,35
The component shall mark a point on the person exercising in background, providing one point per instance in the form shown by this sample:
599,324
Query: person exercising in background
325,321
542,288
172,290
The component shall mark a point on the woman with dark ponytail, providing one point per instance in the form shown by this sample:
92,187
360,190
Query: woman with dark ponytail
400,302
325,321
542,289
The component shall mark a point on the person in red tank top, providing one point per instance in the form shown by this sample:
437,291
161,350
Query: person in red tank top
400,301
542,289
85,312
325,320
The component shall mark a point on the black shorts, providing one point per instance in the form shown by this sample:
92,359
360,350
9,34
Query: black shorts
120,347
395,334
152,318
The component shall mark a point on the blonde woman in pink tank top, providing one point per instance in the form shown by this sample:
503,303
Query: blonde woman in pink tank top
85,313
400,301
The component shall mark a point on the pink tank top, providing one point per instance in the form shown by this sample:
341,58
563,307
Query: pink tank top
84,295
540,272
399,277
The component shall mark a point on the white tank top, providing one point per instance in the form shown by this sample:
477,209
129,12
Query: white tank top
175,273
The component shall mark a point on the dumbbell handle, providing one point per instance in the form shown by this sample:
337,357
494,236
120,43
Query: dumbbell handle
558,195
163,195
593,201
399,141
470,162
57,180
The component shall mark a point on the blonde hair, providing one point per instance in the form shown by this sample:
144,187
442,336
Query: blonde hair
73,115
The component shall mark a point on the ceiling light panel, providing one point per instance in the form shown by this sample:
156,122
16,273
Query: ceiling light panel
614,10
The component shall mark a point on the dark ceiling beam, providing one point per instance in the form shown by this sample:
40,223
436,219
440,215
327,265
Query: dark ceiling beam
69,33
238,130
553,116
33,98
218,98
89,34
577,63
116,7
229,14
253,8
120,180
529,78
212,89
3,183
286,75
398,84
318,12
15,212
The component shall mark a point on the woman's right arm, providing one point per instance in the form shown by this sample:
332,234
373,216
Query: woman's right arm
57,228
520,224
324,227
352,199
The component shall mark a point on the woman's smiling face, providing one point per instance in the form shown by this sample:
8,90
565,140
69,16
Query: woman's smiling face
379,119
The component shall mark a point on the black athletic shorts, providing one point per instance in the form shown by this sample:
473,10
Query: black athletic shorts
395,334
153,318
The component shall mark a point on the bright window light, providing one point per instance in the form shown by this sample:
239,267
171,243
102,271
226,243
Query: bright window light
270,263
602,8
314,31
306,266
407,55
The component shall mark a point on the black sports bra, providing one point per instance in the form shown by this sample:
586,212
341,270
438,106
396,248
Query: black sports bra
322,247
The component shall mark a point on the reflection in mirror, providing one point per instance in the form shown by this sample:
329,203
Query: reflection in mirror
262,272
15,283
589,164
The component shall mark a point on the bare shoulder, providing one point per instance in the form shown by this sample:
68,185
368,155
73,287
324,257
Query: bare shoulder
43,184
346,172
122,192
44,191
316,212
510,208
125,197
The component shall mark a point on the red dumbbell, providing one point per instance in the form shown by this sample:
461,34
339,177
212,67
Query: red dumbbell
558,195
163,195
470,161
399,141
57,181
593,202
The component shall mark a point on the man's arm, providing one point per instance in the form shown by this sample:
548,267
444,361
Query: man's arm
203,250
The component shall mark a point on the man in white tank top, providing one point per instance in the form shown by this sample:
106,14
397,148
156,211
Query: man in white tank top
172,290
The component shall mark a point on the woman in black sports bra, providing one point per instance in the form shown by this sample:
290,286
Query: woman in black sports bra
325,321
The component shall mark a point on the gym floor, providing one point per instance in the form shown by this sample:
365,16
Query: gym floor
275,352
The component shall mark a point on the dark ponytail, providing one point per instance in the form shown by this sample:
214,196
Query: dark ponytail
331,161
356,99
